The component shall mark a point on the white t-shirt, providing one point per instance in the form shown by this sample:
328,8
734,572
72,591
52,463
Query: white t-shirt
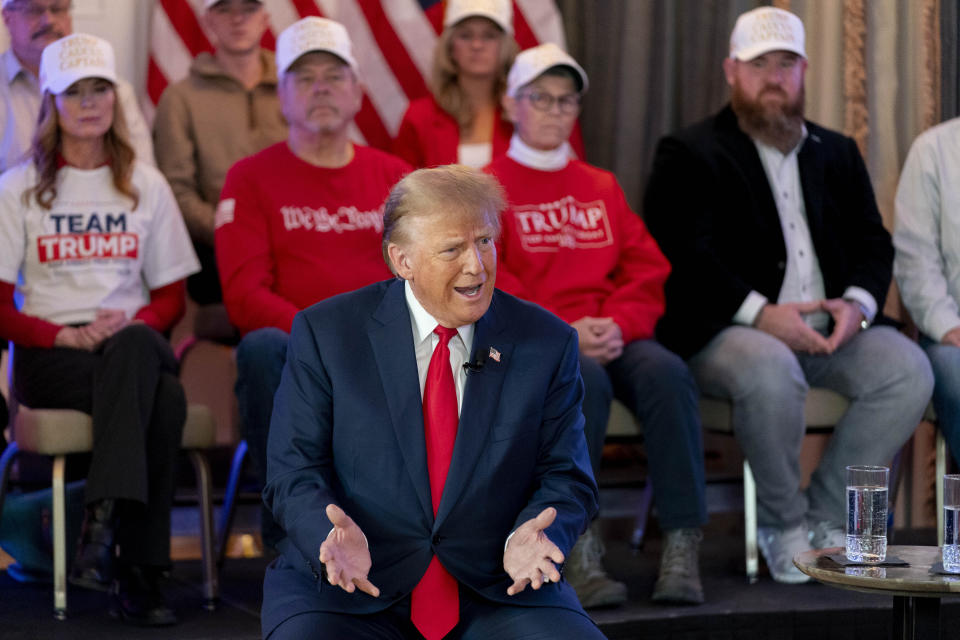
90,250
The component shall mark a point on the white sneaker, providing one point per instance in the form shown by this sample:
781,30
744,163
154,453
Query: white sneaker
779,546
826,535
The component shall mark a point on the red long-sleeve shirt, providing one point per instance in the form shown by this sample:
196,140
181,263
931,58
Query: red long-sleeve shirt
289,234
571,244
165,308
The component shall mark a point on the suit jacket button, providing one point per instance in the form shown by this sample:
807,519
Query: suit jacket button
436,539
781,265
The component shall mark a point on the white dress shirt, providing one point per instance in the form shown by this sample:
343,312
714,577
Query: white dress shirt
425,341
927,230
803,279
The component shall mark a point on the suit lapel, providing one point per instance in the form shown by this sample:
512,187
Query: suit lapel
391,337
481,398
744,155
811,165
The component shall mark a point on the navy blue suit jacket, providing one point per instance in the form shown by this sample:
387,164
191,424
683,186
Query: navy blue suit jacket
347,428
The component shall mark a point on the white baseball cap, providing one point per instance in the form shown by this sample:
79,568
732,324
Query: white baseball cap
766,29
314,34
499,11
530,63
74,58
209,3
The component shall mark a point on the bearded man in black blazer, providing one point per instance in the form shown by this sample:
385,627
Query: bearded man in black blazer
781,265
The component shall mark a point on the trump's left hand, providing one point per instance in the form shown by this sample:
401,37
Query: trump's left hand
530,557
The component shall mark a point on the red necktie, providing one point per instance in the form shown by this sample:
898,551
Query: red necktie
435,603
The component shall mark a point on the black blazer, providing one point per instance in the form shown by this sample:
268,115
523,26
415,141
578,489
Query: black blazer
709,205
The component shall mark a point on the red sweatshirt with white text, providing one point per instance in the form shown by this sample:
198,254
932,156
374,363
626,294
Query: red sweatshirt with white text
571,244
289,234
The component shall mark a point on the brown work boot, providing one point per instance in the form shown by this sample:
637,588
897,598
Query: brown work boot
679,579
584,571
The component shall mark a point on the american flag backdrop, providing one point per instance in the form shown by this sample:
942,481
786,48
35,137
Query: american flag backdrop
393,42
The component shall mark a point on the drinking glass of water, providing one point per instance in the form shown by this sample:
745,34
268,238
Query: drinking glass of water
951,523
867,513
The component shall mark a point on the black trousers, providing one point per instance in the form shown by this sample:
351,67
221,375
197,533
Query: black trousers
131,389
204,286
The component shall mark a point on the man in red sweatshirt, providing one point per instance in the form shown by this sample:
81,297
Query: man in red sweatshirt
571,244
301,220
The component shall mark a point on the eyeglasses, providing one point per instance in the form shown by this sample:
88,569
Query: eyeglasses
543,101
33,10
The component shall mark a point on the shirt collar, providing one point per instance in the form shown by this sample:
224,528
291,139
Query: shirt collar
424,323
12,67
552,160
795,151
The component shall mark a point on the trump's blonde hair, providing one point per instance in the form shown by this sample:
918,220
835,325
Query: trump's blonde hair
453,189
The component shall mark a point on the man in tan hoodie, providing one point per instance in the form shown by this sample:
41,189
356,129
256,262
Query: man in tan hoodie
225,110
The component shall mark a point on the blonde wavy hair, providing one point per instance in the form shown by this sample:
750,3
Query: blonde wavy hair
446,90
47,145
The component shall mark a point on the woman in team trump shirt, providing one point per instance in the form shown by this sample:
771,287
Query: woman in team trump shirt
103,252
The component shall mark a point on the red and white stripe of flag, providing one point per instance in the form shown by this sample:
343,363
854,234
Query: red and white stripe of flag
393,42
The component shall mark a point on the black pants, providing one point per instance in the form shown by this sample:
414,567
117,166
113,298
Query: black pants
130,387
204,286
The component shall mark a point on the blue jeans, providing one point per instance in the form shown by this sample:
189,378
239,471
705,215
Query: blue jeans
884,375
945,360
261,355
657,387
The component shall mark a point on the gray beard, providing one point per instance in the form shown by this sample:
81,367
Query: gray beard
781,127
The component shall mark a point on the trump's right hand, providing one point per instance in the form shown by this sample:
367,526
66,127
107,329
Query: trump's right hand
345,554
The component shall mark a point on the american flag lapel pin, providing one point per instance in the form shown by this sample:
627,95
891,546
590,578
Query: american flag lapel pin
494,355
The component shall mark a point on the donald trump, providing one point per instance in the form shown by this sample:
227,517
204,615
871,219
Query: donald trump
426,456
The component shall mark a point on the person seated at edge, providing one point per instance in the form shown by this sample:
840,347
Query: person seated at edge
426,458
462,122
299,221
571,244
225,110
926,237
103,254
780,267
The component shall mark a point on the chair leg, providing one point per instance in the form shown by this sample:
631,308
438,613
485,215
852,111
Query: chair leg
6,461
941,466
211,586
230,500
750,522
643,513
59,540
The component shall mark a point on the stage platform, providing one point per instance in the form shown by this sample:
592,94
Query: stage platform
734,609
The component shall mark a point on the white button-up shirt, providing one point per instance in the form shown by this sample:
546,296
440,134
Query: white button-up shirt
803,279
425,341
927,230
19,107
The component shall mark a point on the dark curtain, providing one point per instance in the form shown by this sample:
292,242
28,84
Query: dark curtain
949,69
654,67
